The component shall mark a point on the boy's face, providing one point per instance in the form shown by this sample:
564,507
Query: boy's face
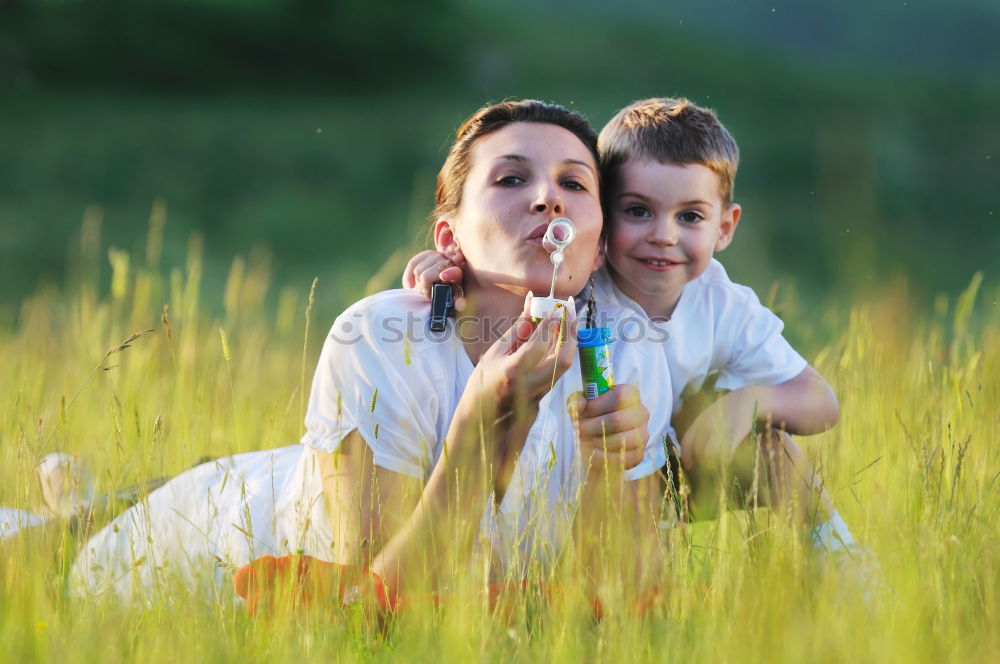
666,222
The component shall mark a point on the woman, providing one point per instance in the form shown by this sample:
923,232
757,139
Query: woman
414,441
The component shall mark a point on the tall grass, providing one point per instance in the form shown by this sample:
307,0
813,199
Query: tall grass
913,466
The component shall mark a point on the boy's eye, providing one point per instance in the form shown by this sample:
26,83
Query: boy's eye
510,180
690,217
637,211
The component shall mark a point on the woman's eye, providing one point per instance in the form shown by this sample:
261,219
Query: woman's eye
637,211
574,185
510,180
690,217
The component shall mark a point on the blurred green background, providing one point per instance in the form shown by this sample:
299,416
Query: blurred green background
305,135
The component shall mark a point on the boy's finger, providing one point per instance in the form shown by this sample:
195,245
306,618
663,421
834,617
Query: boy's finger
619,397
451,274
621,442
574,404
610,423
615,460
429,272
688,456
417,265
409,278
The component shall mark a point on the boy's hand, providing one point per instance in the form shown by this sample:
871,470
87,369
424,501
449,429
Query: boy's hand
803,405
714,435
429,267
613,428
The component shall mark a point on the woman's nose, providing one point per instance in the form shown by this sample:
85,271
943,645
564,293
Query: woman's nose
548,199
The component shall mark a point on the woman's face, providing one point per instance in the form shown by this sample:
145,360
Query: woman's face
522,177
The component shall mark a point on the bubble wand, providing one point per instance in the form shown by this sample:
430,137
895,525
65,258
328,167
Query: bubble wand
560,234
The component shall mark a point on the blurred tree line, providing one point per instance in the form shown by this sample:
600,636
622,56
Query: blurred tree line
172,43
869,133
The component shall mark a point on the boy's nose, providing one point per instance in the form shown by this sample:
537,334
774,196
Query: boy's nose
663,235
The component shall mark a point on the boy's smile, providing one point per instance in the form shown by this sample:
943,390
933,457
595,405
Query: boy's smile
667,220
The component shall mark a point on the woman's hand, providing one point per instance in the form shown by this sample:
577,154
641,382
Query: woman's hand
523,365
430,266
612,429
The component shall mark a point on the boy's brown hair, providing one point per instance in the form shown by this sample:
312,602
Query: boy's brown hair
668,130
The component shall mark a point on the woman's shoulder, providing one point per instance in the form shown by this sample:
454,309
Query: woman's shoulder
392,328
389,303
384,316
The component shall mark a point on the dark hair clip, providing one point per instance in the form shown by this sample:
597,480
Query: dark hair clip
442,304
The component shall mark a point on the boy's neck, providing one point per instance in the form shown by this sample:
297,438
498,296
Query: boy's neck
657,306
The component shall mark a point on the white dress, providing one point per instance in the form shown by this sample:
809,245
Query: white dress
384,374
13,521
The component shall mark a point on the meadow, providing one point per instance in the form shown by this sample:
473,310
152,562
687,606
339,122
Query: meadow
913,466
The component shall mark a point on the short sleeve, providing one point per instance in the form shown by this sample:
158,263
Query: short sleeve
366,381
758,353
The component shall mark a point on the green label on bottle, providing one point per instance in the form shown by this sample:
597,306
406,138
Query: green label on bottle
595,366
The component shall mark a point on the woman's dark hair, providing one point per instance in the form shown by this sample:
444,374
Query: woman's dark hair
451,178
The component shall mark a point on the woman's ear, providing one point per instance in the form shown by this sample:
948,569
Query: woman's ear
730,219
445,240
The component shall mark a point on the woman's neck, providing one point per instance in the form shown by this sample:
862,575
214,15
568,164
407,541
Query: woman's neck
490,310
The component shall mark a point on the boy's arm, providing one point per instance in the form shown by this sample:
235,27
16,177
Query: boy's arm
803,405
430,266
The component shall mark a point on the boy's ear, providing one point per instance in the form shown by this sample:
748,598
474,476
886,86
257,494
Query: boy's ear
730,219
445,240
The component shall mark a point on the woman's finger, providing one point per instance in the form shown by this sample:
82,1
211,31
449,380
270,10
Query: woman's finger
534,348
567,339
523,326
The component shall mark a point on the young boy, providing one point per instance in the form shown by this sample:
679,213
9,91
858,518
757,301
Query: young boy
740,388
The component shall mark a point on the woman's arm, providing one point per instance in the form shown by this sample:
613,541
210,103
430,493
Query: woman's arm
366,503
407,531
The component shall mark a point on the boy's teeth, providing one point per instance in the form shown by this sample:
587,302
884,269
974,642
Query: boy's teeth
655,262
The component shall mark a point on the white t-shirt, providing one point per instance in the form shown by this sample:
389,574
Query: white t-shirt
383,373
717,327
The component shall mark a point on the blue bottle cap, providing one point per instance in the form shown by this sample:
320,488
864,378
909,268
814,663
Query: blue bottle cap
594,336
